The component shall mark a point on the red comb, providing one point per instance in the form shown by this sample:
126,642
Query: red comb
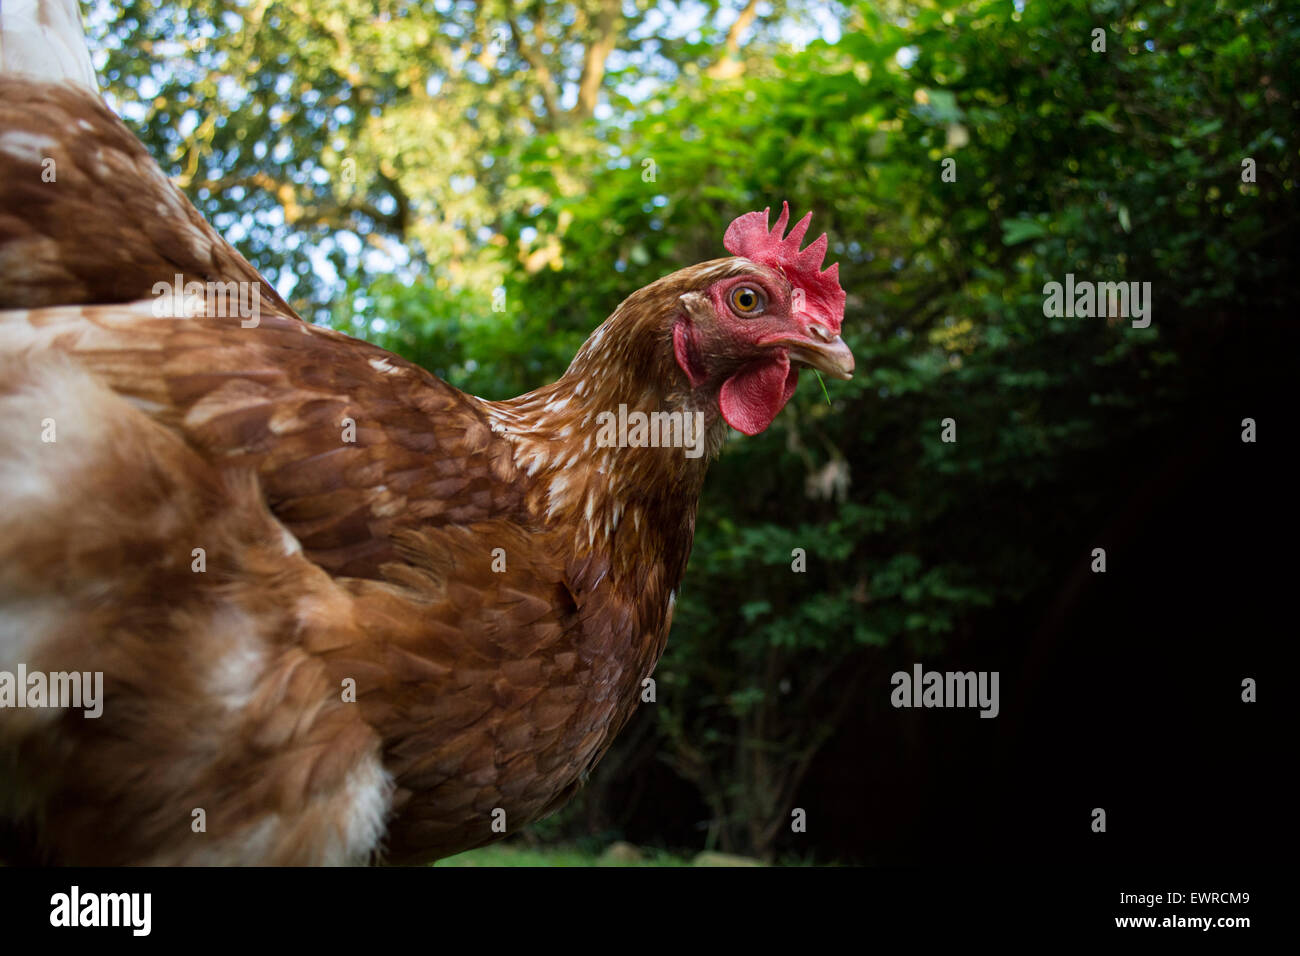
749,236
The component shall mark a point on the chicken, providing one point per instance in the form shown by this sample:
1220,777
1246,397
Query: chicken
341,611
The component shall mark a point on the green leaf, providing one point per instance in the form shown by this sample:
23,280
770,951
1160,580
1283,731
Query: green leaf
1016,231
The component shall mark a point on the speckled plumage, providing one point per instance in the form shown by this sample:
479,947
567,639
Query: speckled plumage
494,585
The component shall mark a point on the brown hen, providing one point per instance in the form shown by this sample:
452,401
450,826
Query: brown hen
342,611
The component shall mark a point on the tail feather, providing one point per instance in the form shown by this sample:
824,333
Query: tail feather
45,39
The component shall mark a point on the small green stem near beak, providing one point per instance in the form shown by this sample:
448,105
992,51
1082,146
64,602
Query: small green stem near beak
823,383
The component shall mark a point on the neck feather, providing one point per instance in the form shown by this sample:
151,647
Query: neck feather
617,448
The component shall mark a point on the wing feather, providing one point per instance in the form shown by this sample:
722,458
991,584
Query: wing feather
347,455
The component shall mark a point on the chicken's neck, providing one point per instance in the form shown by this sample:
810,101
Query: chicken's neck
617,448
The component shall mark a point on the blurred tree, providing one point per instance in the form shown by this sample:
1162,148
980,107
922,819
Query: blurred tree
960,155
351,138
1126,165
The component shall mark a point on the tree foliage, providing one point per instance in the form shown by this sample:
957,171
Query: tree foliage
1118,165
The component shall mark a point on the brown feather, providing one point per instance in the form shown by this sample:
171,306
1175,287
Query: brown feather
330,563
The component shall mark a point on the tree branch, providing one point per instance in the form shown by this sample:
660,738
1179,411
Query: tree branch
729,64
593,62
537,63
740,26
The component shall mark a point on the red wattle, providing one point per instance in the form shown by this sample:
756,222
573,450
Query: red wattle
755,395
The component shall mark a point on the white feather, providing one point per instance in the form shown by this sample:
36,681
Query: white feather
45,39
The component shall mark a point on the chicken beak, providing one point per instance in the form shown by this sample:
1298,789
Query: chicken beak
832,357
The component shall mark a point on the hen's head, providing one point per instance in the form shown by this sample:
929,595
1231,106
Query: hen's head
747,324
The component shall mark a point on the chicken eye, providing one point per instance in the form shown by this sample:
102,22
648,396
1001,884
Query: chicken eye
746,300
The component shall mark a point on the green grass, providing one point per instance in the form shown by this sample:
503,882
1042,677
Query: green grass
526,856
